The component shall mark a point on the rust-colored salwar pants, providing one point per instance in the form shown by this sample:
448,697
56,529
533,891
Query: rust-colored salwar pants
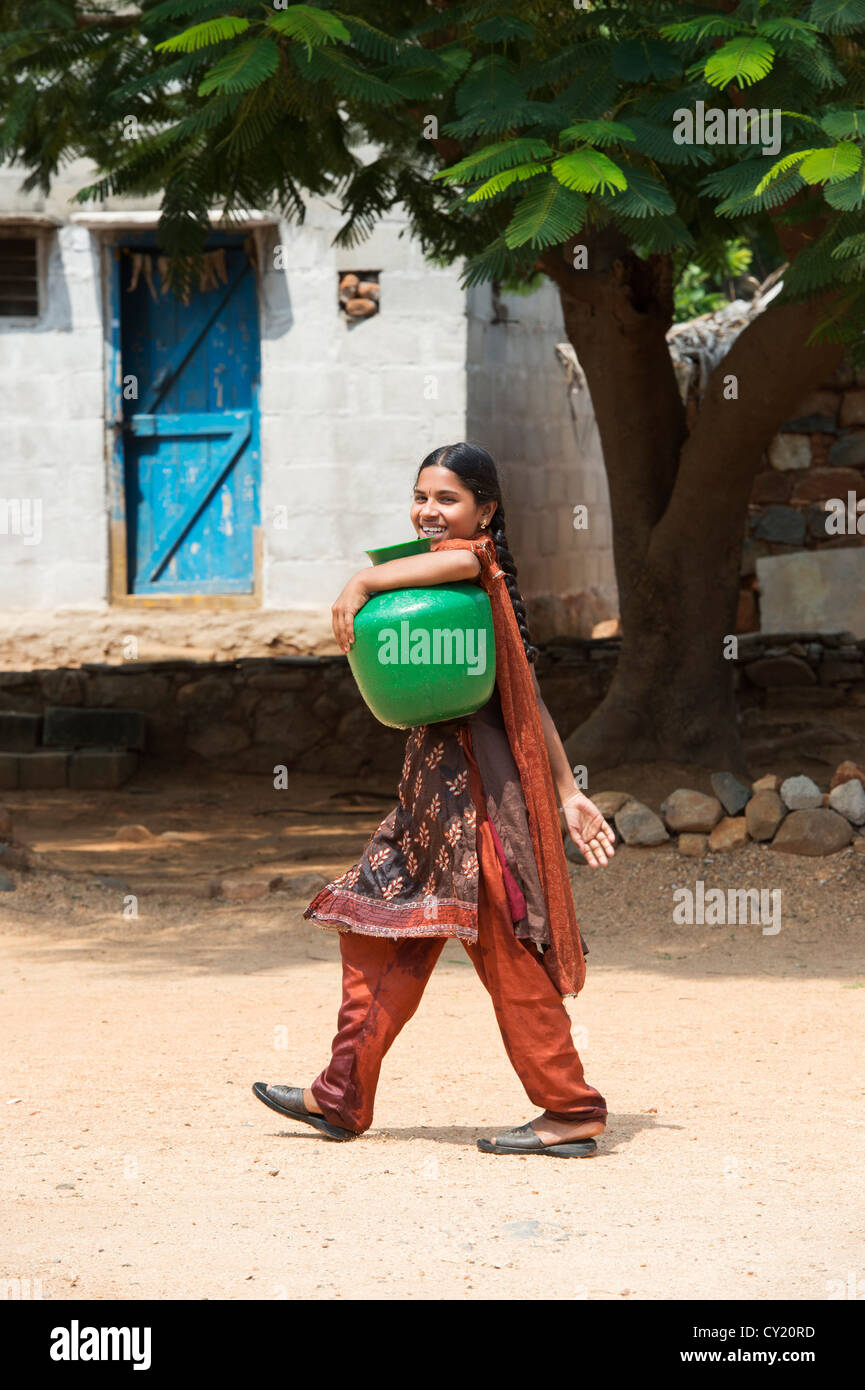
384,979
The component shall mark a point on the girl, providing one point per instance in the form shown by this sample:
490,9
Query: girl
473,850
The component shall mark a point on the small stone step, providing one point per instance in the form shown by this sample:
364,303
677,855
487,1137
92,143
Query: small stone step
19,733
94,768
67,727
43,769
83,768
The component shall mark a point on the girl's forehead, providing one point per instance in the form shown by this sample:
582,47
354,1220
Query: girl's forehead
435,478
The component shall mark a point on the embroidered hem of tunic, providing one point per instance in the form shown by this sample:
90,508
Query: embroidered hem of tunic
447,929
369,918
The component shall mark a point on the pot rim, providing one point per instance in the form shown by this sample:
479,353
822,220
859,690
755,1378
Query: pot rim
380,554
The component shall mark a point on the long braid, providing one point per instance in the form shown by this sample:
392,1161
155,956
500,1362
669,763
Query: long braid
506,560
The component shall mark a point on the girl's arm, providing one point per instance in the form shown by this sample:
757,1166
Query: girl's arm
412,572
586,826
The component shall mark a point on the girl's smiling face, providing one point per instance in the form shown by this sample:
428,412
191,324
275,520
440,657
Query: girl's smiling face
444,508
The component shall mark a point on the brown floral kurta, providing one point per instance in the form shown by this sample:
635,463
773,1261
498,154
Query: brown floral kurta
418,875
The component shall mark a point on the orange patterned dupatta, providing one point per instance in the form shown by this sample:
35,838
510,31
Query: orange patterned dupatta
563,960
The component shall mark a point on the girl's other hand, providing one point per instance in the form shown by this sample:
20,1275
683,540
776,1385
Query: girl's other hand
589,831
350,601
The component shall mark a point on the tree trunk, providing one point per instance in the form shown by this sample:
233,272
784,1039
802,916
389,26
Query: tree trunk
678,500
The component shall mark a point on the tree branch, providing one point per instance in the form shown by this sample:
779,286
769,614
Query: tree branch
108,21
773,369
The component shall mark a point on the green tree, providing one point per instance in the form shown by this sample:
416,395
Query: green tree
701,289
528,138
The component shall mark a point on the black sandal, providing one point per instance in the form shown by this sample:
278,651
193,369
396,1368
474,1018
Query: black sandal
525,1140
288,1100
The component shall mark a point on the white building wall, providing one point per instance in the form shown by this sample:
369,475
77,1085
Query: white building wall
347,413
52,464
350,409
549,457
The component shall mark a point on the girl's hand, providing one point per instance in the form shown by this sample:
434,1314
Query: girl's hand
351,600
589,831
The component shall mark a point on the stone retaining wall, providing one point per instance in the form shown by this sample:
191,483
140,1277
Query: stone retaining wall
818,454
305,712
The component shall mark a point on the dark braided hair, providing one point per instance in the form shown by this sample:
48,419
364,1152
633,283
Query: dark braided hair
475,468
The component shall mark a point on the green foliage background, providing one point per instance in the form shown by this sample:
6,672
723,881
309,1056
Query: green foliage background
552,123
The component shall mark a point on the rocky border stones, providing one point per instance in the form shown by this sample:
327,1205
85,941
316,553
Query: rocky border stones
793,816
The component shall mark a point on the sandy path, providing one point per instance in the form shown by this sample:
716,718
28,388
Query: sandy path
137,1164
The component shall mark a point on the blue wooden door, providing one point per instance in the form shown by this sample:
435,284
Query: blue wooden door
191,457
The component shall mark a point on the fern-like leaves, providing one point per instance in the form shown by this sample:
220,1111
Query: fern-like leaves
545,216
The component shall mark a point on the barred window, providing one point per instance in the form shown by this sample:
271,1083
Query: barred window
19,277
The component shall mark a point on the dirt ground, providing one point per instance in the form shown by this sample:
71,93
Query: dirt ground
137,1164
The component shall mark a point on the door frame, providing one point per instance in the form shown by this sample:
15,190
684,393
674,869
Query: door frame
118,572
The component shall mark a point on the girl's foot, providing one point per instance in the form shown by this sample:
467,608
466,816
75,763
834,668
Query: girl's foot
548,1131
289,1100
310,1102
558,1131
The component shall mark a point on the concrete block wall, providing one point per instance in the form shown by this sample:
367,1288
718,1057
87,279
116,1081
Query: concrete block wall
549,456
349,409
52,439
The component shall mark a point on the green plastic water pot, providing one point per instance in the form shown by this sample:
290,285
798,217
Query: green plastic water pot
421,656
